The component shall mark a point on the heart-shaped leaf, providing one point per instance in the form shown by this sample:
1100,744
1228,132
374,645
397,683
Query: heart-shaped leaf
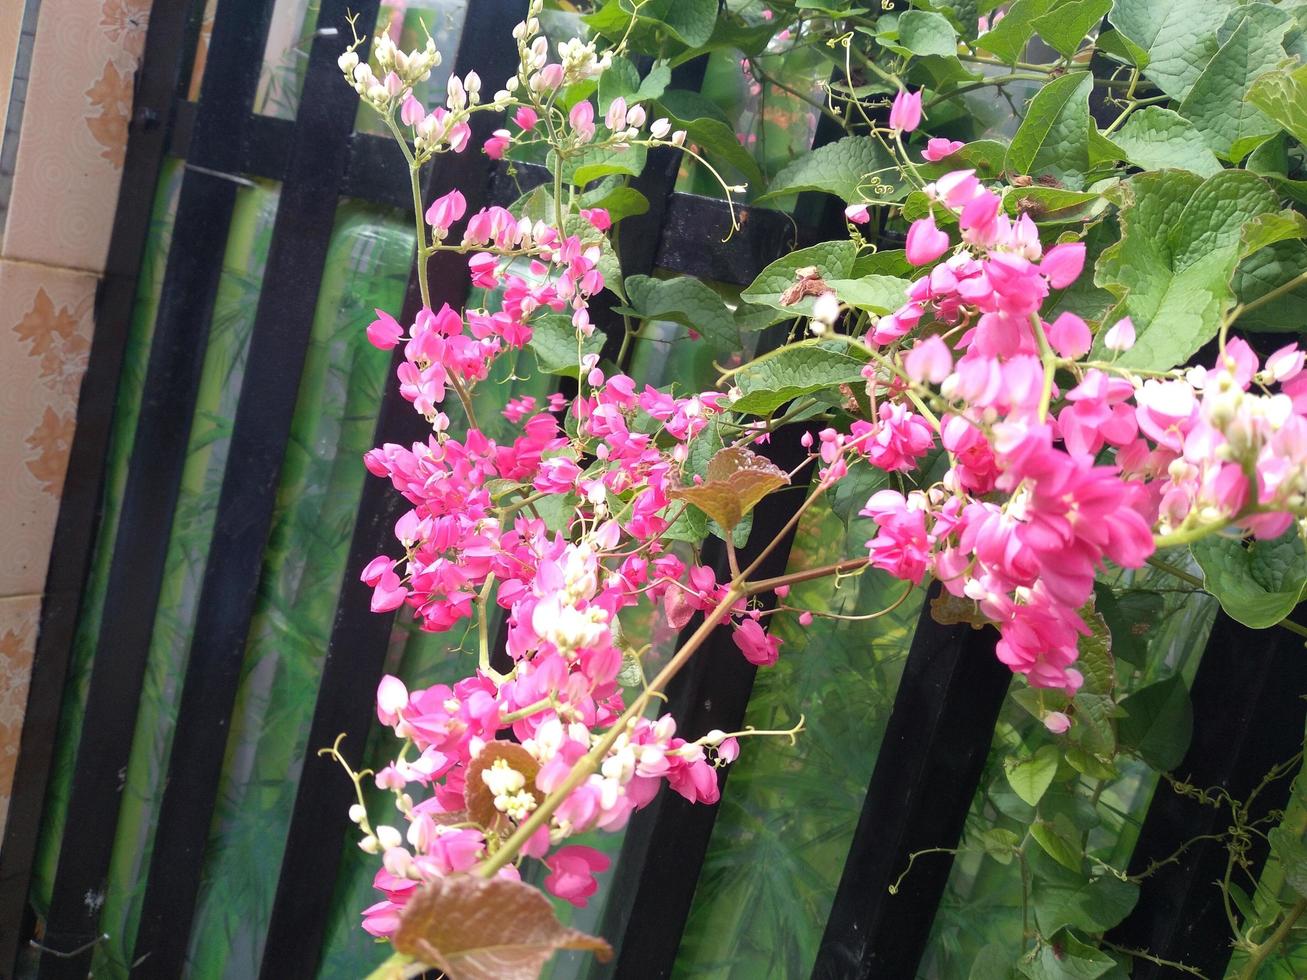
478,929
737,480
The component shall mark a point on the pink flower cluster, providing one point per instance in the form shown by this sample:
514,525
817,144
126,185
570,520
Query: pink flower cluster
1027,511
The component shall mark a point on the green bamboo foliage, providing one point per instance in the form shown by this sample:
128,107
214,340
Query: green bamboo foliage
788,812
982,904
321,480
192,527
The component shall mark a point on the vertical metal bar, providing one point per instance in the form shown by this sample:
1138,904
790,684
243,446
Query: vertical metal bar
279,341
925,779
319,822
1248,716
157,83
158,455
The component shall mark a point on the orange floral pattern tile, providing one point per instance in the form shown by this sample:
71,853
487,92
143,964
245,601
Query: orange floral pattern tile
73,138
45,332
18,626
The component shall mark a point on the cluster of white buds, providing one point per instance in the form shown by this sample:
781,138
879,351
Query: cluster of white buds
463,92
399,70
508,786
580,60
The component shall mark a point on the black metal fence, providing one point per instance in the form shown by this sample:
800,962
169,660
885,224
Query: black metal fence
948,701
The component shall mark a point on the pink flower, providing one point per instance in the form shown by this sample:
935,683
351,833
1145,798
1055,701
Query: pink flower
905,113
937,148
497,145
1120,336
1070,336
1062,264
392,698
572,873
598,218
930,360
526,118
1057,722
411,112
445,210
384,332
857,213
582,118
925,242
758,648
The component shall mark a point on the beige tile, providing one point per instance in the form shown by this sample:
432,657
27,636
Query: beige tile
45,331
74,131
11,23
18,625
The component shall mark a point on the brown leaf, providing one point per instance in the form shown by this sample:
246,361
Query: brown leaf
808,283
948,609
737,480
478,929
480,801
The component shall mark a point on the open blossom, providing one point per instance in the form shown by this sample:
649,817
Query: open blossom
937,149
572,873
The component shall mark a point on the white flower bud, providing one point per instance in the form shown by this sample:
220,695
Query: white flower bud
348,61
369,845
389,837
357,813
678,138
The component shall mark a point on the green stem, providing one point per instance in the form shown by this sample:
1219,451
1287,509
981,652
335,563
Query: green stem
1049,360
1259,954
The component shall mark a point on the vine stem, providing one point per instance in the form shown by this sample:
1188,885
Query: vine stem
1260,952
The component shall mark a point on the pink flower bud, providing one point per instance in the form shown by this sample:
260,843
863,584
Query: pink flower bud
384,332
615,118
411,112
598,218
931,360
925,242
582,118
526,118
1057,722
1062,264
497,145
445,210
1120,336
857,213
905,113
1070,336
937,149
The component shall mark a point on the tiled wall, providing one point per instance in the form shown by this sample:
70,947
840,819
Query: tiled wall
62,191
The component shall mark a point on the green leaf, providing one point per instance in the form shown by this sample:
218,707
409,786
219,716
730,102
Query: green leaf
833,260
1282,95
1259,584
1268,229
925,33
1217,104
999,843
1030,778
595,162
1095,662
1060,841
1173,265
620,202
687,301
770,381
690,21
1116,44
1050,203
1132,617
855,168
1267,270
1067,958
1091,906
1156,139
1094,730
993,962
1008,38
1292,854
556,342
1158,723
714,137
1066,27
1054,137
1179,36
876,294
